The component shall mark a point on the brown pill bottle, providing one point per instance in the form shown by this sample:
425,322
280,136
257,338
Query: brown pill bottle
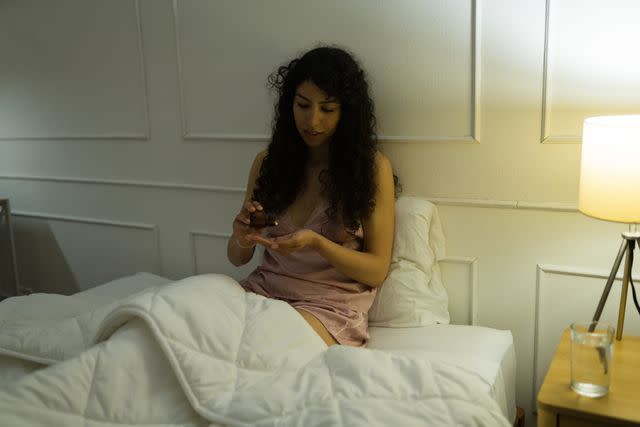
261,219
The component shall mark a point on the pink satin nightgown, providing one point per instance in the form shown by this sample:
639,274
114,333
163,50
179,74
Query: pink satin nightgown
307,281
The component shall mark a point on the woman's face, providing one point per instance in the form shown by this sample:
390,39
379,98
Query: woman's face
316,114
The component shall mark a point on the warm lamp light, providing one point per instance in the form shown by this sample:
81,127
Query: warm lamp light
610,168
610,188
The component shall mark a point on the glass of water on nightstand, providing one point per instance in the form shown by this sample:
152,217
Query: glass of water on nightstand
591,353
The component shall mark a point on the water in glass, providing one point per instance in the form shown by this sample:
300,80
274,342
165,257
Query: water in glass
591,360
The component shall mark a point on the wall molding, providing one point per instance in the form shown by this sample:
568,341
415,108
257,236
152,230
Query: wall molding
111,135
143,73
544,125
505,204
542,269
126,183
444,201
98,221
193,234
472,265
545,136
475,121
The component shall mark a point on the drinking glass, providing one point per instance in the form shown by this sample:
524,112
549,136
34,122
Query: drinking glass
591,353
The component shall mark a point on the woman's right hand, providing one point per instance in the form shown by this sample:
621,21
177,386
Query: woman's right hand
242,231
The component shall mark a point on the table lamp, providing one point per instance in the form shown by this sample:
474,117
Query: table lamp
610,190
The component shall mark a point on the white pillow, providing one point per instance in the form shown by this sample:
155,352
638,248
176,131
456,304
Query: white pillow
413,293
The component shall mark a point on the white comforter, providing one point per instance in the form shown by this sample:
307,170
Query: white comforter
201,351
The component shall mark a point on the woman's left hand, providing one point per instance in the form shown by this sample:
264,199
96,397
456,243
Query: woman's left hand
289,243
296,241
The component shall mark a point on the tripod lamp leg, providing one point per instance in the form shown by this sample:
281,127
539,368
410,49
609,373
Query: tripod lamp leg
625,287
612,277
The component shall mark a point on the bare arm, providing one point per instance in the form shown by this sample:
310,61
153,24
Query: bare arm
239,249
372,264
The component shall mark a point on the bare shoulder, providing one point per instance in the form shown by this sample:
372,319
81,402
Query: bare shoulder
257,162
383,177
261,155
382,162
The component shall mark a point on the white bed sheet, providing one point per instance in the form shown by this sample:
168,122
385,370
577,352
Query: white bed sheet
488,352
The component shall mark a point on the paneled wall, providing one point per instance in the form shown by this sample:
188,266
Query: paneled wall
127,129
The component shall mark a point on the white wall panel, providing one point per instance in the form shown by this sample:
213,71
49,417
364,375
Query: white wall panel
173,208
69,254
65,72
418,53
460,277
209,253
592,66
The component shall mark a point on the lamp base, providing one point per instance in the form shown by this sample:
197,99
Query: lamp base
631,235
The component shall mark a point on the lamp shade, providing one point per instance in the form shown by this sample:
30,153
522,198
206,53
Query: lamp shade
610,168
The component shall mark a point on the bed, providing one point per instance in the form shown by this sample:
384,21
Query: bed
143,349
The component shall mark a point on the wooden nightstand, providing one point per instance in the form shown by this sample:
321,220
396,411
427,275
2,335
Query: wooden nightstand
560,406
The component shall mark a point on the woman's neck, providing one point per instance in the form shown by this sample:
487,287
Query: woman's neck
318,156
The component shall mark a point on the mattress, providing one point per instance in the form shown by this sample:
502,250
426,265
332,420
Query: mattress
486,351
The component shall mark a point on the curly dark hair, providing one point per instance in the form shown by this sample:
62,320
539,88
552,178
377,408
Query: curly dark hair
349,182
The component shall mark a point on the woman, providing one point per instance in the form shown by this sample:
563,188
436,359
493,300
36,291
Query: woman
333,194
